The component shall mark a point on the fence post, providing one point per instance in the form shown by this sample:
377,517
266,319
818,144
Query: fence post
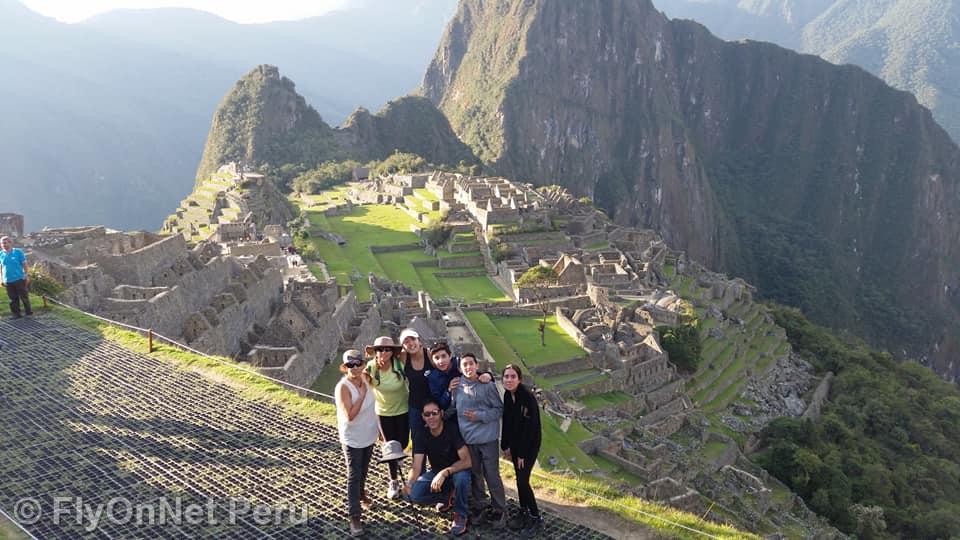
44,297
150,340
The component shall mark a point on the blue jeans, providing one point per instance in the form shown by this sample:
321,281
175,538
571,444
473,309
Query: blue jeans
420,491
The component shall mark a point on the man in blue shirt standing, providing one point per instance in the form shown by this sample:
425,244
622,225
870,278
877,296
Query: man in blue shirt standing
14,276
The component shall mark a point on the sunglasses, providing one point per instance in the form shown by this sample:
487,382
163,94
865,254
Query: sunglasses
428,414
353,364
382,349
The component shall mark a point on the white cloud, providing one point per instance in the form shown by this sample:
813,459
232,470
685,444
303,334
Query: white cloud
240,11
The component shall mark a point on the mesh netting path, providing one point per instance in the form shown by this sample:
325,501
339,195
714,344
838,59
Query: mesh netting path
84,419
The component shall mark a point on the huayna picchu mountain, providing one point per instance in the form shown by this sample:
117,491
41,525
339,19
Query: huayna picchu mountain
264,121
821,184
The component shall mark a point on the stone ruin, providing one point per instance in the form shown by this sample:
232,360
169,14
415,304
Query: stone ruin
221,304
11,225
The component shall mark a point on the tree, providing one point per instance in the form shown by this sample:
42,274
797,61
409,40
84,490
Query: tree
540,278
399,163
437,235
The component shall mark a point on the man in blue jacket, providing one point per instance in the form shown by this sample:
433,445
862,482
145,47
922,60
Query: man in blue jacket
444,378
15,277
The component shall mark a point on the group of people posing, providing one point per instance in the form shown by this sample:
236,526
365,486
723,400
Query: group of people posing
459,424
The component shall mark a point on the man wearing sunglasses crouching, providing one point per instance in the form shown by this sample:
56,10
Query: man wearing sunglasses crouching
448,480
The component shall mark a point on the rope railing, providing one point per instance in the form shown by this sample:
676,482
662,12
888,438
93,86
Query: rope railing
610,502
150,334
310,391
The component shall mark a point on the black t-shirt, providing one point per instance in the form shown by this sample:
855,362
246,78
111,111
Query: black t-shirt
417,381
442,450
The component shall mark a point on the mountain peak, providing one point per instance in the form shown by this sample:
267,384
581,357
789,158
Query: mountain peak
775,166
264,120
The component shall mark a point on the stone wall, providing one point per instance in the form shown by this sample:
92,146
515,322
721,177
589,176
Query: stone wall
627,465
238,316
267,249
530,294
139,267
472,273
390,249
585,240
505,311
571,329
130,292
11,225
464,247
461,262
167,311
562,368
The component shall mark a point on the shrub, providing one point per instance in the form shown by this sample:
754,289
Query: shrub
437,235
682,343
43,284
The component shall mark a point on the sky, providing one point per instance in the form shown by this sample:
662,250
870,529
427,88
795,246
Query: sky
242,11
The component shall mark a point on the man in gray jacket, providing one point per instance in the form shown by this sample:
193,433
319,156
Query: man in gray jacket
479,408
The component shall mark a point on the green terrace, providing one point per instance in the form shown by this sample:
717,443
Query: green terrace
387,225
515,340
325,199
727,362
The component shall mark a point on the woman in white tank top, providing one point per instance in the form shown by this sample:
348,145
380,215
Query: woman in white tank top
357,424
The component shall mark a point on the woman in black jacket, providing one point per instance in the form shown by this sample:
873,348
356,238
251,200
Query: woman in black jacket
520,442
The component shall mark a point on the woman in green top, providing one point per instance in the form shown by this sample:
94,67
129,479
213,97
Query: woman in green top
391,394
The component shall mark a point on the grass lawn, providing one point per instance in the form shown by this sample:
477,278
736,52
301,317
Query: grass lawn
425,194
378,225
326,198
498,345
10,530
521,333
385,225
398,267
606,400
563,446
510,338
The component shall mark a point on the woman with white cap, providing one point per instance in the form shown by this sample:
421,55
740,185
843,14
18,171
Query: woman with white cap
416,367
357,425
385,373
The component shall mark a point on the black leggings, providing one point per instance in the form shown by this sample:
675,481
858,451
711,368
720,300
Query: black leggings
395,428
527,501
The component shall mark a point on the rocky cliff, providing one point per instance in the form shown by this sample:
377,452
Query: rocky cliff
263,120
410,124
909,44
819,183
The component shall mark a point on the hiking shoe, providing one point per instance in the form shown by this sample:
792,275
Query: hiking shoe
445,506
518,522
534,527
459,527
496,519
16,316
478,516
356,529
393,489
366,502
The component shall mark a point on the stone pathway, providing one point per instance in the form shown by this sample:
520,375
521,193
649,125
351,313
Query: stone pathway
84,418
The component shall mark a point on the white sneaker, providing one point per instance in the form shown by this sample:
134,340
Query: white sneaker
393,489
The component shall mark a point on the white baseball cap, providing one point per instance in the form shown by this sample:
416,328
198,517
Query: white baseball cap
409,332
